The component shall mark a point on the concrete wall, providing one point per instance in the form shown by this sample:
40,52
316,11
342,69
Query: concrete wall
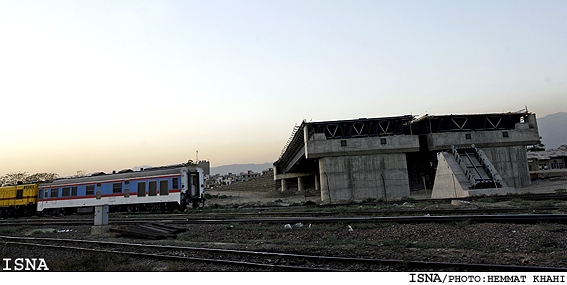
523,135
511,163
356,177
319,146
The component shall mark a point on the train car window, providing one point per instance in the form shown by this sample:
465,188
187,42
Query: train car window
98,185
127,182
164,187
74,191
126,193
20,194
153,188
175,183
54,192
117,187
98,195
141,189
40,194
90,190
65,192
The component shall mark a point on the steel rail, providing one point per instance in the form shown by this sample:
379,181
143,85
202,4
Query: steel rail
180,217
523,219
520,219
389,262
531,197
176,258
404,211
183,217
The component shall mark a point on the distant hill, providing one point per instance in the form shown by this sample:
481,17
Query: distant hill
237,168
553,130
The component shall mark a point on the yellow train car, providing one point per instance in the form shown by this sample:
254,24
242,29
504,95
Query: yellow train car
18,200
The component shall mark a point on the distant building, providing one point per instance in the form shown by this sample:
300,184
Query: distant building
230,178
249,175
547,160
205,165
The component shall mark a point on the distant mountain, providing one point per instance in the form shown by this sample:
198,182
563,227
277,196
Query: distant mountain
237,168
553,130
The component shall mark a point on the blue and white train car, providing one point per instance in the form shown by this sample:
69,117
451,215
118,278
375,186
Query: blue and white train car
161,188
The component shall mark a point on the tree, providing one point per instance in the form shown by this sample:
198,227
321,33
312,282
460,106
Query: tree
42,177
23,177
190,163
13,178
563,147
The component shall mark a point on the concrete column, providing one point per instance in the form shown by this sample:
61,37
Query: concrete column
317,183
284,185
325,194
300,185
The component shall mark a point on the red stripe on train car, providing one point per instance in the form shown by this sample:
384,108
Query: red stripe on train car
109,181
94,196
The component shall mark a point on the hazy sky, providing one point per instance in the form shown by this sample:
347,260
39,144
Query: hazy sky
107,85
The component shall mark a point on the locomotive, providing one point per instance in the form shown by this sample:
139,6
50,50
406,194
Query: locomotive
163,189
18,200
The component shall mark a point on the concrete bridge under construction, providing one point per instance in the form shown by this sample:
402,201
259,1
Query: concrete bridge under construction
386,158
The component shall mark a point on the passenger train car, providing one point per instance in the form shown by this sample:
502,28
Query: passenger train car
158,189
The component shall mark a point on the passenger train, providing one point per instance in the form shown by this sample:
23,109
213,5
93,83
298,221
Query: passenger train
156,189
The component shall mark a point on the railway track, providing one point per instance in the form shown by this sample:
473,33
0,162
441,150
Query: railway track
516,218
254,260
271,212
526,210
528,197
520,219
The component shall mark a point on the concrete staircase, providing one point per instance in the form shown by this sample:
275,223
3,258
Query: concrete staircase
477,167
263,183
467,171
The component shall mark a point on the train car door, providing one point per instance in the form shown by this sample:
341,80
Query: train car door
195,184
39,200
20,196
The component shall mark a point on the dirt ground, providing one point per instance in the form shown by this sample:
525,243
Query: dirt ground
264,198
545,186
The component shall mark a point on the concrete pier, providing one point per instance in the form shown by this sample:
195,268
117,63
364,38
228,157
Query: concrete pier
300,185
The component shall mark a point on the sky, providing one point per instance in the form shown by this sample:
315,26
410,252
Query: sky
109,85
